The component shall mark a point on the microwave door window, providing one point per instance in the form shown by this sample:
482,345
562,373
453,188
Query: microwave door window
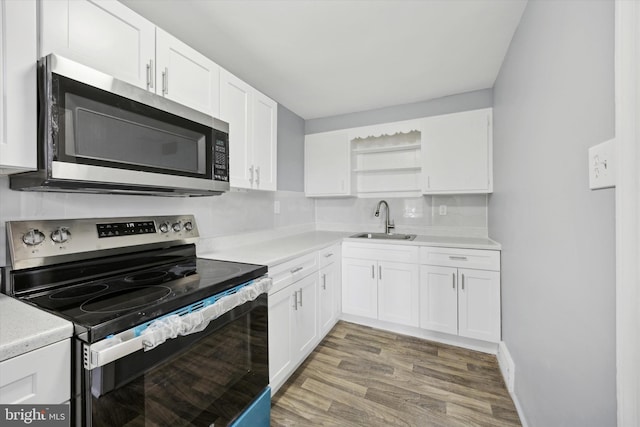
102,134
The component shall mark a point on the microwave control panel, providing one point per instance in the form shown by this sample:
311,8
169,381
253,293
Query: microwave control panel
221,160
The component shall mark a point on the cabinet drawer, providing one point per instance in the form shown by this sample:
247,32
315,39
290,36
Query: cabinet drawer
396,253
329,255
288,272
465,258
40,376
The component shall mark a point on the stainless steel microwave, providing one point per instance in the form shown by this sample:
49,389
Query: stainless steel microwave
98,134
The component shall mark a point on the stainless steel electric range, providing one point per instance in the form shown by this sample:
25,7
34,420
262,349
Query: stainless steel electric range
162,337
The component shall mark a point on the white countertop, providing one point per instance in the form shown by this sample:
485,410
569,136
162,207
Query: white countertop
276,251
440,241
24,328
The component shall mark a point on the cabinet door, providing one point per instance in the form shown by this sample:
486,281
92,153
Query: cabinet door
281,347
41,376
235,106
18,101
439,299
479,304
398,293
327,164
103,34
186,76
329,284
456,153
265,141
306,316
360,287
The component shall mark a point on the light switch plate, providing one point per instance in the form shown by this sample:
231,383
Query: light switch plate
602,164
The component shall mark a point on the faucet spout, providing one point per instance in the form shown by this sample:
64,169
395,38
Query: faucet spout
388,223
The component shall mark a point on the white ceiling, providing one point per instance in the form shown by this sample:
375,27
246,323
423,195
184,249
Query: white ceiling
327,57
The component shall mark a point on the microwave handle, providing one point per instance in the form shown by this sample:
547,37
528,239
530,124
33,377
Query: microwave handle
128,342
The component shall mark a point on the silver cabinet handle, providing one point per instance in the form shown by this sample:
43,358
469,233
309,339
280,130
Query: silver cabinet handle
380,272
165,81
258,176
251,175
463,281
453,280
328,255
373,271
300,293
150,72
324,282
295,300
458,258
295,270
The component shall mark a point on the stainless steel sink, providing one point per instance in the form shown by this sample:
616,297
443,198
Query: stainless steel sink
384,236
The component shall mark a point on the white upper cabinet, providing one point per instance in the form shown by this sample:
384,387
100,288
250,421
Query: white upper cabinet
108,36
18,99
327,165
103,34
235,105
185,75
265,141
253,120
457,153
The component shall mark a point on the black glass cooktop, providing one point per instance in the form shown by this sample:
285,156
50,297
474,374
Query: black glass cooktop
106,305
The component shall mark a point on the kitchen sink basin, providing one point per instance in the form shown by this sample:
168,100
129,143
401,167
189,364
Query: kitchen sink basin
384,236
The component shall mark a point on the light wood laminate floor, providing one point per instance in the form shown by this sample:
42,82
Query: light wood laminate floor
360,376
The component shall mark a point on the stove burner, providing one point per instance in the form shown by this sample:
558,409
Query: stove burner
183,270
125,299
147,277
78,291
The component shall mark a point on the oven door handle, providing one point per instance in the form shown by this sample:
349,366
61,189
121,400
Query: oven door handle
168,327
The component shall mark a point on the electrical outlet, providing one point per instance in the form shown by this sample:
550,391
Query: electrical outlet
602,165
442,210
276,207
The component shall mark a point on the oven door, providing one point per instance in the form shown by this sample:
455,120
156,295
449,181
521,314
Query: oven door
208,378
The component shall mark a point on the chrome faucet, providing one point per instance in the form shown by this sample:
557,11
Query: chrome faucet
388,224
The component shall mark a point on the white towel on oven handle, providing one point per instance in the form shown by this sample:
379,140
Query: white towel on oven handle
175,325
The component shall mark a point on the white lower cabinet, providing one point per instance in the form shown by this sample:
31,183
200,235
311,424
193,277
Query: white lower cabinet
303,307
329,288
293,327
41,376
461,301
381,282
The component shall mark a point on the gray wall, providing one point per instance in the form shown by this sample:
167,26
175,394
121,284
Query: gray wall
290,150
554,98
448,104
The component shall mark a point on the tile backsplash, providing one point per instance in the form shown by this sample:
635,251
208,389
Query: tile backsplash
252,212
466,215
235,212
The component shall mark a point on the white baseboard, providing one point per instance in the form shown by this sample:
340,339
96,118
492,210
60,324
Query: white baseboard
507,366
468,343
508,370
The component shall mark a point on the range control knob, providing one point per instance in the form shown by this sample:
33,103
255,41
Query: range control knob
60,235
33,237
164,227
188,226
177,227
